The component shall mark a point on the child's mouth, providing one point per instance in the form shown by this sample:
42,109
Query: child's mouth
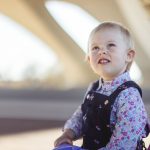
103,61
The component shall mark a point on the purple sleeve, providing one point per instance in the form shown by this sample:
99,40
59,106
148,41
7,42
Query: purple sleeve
131,119
75,123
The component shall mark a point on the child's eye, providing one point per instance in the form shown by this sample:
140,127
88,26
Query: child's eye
111,45
95,48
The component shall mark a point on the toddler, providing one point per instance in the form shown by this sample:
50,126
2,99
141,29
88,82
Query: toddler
112,115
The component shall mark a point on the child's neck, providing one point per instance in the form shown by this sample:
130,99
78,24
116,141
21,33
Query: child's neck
110,79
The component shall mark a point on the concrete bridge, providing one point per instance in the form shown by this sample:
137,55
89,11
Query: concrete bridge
37,109
34,16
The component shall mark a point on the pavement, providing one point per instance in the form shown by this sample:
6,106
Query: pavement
35,140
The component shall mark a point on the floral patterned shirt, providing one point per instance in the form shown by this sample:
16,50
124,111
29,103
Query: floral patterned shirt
128,115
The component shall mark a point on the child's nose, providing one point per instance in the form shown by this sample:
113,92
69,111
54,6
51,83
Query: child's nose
102,50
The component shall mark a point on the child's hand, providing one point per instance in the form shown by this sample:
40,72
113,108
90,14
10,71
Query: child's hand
66,138
62,140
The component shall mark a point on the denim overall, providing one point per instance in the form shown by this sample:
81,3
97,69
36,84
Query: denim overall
96,110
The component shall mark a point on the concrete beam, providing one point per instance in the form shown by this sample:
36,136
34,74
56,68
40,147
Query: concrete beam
36,18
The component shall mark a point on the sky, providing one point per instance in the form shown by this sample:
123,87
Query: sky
21,50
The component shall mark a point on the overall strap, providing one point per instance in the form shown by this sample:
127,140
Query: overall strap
93,86
125,86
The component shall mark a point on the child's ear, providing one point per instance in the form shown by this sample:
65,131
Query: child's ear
130,55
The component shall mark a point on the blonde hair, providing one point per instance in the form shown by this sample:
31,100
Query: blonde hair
124,31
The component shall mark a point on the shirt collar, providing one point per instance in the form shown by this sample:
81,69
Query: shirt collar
112,85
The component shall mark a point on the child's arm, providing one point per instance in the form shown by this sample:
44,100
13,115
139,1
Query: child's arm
67,137
72,129
75,123
76,120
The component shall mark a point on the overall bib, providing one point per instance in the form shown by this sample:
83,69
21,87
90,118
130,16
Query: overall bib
96,109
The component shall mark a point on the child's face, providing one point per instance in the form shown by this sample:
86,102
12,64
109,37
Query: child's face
108,53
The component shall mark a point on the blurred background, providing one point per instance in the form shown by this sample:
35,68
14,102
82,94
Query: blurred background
43,75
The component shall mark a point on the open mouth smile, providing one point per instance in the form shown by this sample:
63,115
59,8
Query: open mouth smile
103,61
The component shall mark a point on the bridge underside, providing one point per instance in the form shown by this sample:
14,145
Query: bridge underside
33,15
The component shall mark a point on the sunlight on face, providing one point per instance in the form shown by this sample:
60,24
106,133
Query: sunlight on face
108,53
